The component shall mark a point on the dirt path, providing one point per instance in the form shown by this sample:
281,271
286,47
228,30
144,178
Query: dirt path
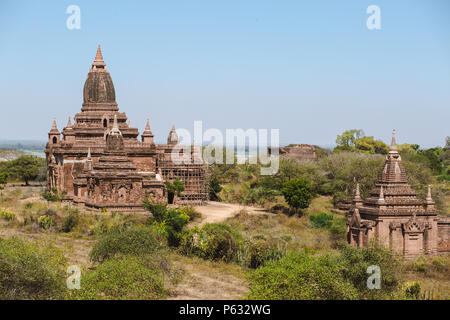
207,280
215,212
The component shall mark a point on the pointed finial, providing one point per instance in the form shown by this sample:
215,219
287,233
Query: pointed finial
429,203
89,153
393,142
129,123
357,191
381,197
54,124
98,56
429,198
115,125
69,123
173,137
98,61
147,126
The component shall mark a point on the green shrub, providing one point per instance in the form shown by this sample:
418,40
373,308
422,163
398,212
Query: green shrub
256,252
413,289
169,222
51,195
131,241
127,277
297,193
299,276
214,241
321,220
338,227
46,221
190,212
355,261
70,221
7,215
31,270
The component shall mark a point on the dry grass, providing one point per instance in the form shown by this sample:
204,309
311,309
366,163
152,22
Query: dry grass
287,232
208,280
433,273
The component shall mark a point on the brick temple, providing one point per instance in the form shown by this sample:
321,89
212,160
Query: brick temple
99,162
395,217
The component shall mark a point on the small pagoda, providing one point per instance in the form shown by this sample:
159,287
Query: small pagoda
392,214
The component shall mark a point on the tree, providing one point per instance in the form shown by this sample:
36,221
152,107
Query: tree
25,167
297,193
174,188
346,141
214,189
371,146
3,181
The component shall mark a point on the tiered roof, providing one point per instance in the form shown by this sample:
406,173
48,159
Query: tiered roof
392,194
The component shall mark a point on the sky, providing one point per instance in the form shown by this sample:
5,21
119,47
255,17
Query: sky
311,69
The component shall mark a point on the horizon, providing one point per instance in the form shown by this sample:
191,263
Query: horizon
310,70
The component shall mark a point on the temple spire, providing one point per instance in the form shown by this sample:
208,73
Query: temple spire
357,198
173,136
54,128
69,123
98,61
393,142
147,135
98,56
89,153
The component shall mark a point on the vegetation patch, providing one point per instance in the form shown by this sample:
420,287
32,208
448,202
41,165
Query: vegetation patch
31,270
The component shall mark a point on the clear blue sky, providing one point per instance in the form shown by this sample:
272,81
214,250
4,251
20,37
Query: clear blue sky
310,68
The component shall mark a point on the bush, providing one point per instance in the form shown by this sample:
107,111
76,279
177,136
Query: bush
299,276
46,222
125,277
31,270
214,241
7,215
413,289
70,221
321,220
169,222
355,261
256,252
191,213
338,227
297,193
131,241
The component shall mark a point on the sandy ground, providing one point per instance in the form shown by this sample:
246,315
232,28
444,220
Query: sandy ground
215,212
207,283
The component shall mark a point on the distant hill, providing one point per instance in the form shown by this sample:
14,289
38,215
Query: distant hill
11,149
10,154
30,145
